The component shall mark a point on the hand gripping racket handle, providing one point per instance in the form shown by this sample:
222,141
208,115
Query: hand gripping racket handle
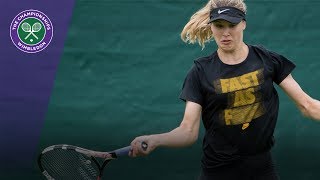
125,151
144,145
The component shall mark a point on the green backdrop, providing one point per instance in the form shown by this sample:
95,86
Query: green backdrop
123,67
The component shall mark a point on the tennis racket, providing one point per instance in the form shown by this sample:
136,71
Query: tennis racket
67,162
36,27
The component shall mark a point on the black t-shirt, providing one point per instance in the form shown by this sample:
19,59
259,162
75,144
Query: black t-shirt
239,103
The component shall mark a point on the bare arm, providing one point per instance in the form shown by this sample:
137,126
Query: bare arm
308,106
184,135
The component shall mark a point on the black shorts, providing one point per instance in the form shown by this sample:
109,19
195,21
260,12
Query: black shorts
258,167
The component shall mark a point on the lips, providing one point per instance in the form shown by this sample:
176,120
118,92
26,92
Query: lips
225,41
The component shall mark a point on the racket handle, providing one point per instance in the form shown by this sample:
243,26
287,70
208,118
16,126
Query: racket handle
125,151
144,145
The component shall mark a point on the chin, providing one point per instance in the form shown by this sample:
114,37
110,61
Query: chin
227,48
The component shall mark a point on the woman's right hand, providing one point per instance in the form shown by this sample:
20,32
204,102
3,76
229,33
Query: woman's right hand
143,145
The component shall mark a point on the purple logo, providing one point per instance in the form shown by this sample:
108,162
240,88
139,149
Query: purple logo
31,31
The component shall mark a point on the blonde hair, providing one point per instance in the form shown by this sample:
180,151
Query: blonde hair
198,29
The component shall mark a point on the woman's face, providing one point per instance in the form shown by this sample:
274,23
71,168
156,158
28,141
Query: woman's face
228,36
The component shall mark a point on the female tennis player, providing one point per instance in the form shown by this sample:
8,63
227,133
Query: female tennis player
233,91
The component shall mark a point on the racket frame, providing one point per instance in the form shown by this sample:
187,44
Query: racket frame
107,156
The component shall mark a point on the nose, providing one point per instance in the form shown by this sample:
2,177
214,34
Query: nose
226,31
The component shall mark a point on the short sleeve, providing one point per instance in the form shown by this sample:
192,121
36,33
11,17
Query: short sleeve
191,89
282,67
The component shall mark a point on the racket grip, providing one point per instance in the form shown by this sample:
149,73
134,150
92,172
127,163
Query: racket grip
123,151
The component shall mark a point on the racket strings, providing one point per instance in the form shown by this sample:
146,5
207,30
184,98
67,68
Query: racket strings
68,164
36,27
26,27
